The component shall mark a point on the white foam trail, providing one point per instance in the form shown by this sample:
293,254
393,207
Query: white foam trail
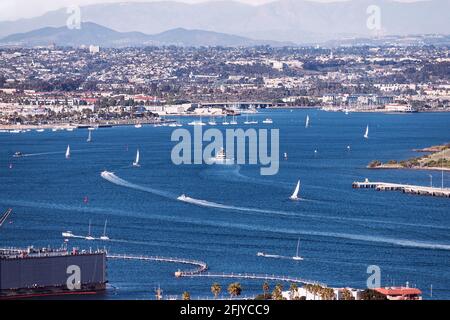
111,177
204,203
275,256
52,153
220,224
41,154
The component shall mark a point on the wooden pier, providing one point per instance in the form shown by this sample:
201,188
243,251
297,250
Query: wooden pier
200,265
405,188
253,276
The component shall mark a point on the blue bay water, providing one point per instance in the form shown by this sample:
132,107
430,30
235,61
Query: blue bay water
342,231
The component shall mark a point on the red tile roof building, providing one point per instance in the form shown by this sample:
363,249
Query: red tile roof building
400,293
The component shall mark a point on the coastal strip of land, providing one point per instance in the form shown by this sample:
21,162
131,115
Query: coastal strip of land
435,158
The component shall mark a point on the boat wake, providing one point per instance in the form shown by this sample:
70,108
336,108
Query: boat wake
230,225
111,177
273,256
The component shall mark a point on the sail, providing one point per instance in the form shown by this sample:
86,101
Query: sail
307,122
366,135
298,246
68,152
104,229
136,162
296,191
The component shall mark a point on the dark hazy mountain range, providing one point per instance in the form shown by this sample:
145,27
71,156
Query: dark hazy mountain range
299,21
91,33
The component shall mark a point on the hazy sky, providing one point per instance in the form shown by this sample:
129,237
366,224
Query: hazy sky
15,9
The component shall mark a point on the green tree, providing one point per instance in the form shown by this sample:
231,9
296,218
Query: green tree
370,294
215,289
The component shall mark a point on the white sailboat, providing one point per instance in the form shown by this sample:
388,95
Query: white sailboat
136,162
68,152
366,135
89,236
307,122
297,257
197,123
89,139
104,236
233,122
225,121
212,122
294,196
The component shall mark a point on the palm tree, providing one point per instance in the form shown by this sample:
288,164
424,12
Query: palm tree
235,289
186,296
277,292
266,289
215,289
347,295
327,294
293,291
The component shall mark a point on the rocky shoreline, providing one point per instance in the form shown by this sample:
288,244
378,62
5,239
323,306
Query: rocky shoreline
437,158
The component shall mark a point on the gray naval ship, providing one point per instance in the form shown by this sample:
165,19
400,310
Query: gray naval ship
31,272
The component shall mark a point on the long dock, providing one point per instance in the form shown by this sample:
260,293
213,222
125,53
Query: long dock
405,188
253,276
200,265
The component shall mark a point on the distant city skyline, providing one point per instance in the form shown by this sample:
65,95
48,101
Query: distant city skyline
18,9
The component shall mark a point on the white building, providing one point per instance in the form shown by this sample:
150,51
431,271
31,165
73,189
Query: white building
94,49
